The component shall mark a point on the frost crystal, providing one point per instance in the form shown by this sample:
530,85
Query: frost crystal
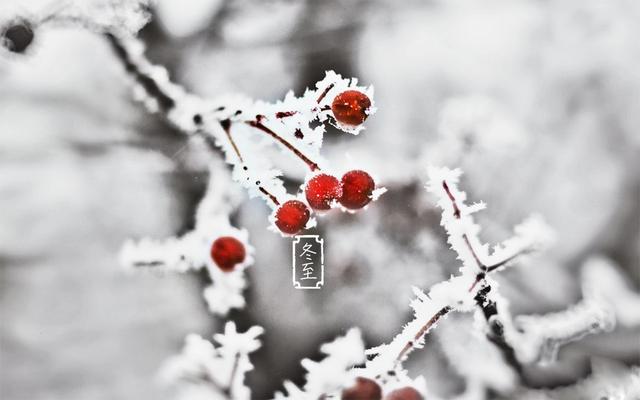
333,372
191,251
466,291
217,372
244,129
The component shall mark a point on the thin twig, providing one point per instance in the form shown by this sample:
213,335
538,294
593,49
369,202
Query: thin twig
423,330
259,125
226,126
484,269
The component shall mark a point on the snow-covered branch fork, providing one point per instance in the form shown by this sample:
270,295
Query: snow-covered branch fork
464,240
345,373
524,340
472,287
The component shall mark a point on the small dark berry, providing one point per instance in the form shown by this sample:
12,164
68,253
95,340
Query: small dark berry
292,216
364,389
351,107
18,36
357,188
227,252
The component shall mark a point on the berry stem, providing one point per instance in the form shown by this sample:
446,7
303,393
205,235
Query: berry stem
324,93
271,197
226,126
257,124
456,210
284,114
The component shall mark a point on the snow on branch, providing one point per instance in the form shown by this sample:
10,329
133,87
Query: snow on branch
523,339
606,301
332,373
459,293
204,370
243,129
544,334
124,17
462,232
214,244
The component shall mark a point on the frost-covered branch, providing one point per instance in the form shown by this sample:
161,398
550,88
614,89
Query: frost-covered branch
243,129
523,339
123,17
458,293
215,372
330,374
606,301
213,244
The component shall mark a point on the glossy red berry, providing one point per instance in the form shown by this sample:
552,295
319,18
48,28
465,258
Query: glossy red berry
357,188
406,393
227,252
292,216
322,190
364,389
351,107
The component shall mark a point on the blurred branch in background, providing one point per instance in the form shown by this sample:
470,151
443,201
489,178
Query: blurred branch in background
548,89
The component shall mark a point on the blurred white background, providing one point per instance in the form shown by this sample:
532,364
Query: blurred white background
537,101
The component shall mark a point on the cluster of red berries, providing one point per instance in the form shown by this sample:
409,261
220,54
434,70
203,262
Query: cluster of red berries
353,191
227,252
367,389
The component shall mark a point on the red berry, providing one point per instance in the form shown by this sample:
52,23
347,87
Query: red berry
351,107
226,252
406,393
322,190
357,188
364,389
292,216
